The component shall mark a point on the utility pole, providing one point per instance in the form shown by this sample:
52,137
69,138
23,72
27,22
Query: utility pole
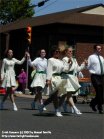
29,35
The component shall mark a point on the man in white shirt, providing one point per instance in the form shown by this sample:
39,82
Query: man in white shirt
96,69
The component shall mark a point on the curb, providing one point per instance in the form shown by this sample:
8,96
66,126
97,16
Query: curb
28,96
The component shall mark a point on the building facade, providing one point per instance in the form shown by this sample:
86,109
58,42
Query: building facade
80,28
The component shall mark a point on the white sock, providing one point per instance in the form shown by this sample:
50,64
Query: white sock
72,110
75,108
14,104
15,107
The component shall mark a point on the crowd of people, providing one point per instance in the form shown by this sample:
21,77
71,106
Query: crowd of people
59,75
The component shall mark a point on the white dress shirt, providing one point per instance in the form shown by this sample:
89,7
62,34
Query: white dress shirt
94,64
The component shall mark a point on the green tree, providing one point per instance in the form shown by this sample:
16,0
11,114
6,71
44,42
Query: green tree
11,10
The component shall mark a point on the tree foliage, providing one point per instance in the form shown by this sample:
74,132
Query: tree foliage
11,10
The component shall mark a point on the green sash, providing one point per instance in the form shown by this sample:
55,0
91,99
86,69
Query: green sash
41,72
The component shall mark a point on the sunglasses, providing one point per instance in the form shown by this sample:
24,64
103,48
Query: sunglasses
57,51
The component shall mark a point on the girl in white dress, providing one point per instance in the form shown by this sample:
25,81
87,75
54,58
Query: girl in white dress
8,77
72,85
54,80
39,80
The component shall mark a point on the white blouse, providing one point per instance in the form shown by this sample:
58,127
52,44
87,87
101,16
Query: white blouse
39,63
54,66
74,66
8,73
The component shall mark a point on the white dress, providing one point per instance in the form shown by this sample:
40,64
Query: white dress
8,73
40,77
70,79
54,70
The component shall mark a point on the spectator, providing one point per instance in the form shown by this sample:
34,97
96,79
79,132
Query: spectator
22,79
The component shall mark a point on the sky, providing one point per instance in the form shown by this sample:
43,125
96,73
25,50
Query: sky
53,6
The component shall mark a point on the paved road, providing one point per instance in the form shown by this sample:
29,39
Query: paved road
32,125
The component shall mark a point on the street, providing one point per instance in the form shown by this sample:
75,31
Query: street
28,123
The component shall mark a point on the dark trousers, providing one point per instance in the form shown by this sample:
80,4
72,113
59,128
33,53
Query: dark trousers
52,98
98,84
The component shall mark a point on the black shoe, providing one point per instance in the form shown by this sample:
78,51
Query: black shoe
101,112
93,107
